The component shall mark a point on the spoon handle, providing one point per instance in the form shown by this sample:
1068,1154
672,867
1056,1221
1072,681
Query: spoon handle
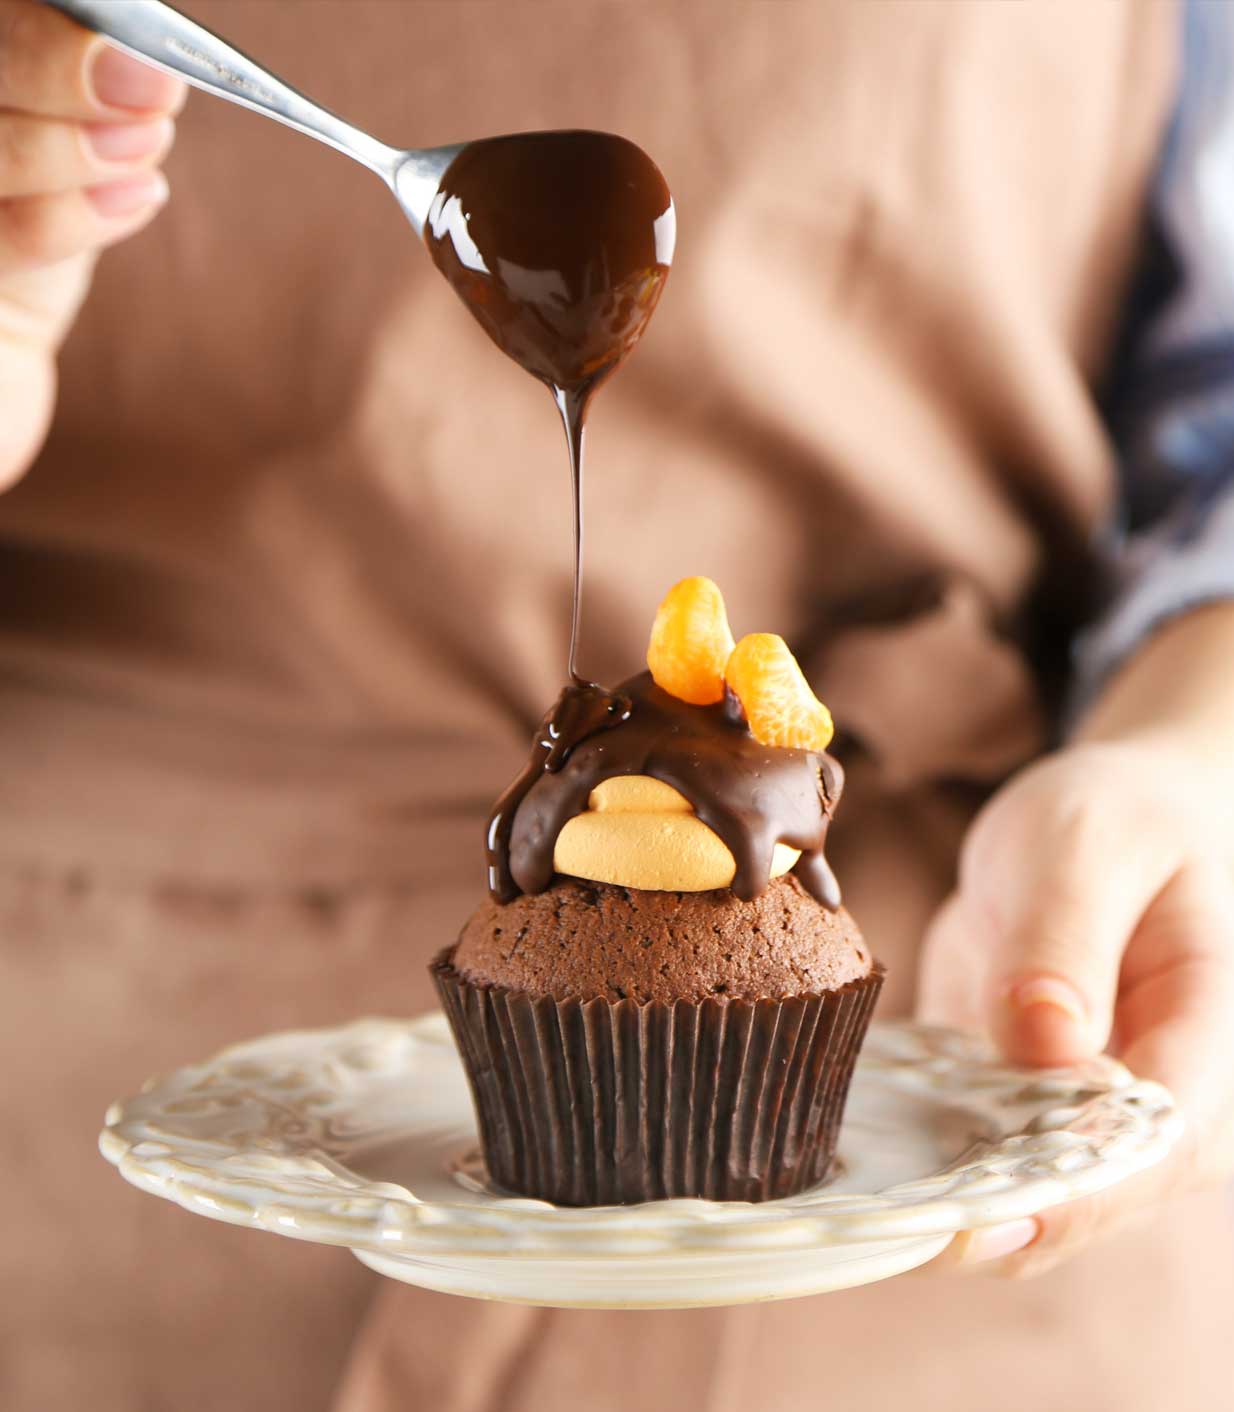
171,41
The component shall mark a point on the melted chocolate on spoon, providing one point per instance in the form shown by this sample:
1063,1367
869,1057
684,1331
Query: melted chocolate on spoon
559,243
753,796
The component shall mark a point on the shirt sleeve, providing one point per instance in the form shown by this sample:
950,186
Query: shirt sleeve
1173,417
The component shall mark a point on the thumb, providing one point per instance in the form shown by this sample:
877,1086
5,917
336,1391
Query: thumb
1057,883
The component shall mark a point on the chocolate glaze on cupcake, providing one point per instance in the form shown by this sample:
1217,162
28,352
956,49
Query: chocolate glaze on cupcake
663,996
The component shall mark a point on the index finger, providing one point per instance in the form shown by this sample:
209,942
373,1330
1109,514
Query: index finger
54,68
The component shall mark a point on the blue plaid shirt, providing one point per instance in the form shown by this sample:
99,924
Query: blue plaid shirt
1172,413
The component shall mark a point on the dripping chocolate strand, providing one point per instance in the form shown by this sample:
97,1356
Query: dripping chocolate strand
573,408
559,244
578,713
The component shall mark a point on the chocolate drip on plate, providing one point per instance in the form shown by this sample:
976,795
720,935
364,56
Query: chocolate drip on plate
753,796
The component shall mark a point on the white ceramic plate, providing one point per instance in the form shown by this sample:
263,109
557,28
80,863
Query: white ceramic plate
363,1137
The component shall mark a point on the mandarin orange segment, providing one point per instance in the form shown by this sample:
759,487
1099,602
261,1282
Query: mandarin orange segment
691,643
774,694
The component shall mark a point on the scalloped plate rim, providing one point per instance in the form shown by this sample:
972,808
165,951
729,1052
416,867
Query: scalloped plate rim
533,1230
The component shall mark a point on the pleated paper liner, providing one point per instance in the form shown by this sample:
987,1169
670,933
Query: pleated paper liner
593,1103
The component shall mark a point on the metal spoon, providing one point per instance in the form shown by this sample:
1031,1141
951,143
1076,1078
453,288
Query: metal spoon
162,36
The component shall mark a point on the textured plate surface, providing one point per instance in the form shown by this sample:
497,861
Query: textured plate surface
363,1136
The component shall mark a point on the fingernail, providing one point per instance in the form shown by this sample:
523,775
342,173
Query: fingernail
994,1242
125,142
1044,1020
118,81
125,198
1048,990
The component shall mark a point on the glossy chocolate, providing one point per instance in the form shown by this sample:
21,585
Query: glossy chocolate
559,243
753,796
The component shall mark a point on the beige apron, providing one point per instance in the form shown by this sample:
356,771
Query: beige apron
289,586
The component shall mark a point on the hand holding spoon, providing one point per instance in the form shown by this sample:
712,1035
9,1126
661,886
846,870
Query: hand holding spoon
171,41
557,242
162,36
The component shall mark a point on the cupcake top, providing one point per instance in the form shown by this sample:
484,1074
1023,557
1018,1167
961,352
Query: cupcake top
708,771
583,940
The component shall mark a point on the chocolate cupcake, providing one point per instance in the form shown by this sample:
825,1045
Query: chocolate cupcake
663,996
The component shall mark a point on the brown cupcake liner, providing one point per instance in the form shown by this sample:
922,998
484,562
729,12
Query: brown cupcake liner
592,1103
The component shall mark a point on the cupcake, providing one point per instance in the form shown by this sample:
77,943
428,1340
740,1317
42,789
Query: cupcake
663,995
